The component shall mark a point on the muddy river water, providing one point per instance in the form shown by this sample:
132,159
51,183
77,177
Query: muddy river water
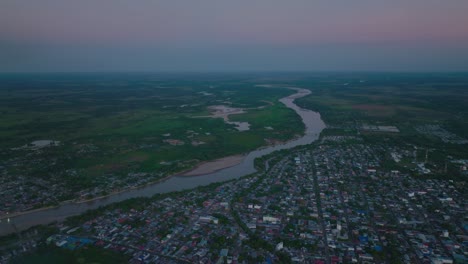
313,123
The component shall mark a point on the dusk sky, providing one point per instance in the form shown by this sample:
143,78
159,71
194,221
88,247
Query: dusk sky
236,35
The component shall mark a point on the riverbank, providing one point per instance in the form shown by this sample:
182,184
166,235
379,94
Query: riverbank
175,182
90,200
214,166
15,214
201,168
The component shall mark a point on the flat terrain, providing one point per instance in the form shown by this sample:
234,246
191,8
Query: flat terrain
429,111
214,165
386,176
79,136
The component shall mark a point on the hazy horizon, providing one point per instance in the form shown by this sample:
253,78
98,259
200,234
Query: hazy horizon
236,36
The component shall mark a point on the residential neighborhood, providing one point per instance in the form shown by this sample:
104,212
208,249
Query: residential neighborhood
324,203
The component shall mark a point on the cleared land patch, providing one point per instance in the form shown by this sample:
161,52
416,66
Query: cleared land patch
121,131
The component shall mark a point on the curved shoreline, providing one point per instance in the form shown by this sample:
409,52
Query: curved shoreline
201,168
174,182
207,167
13,215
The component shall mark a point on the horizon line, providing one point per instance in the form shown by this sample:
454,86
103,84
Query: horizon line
232,71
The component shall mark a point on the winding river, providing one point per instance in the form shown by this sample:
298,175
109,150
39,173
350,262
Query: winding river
313,123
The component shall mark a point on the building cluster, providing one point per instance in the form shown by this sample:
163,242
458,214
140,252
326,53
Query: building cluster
20,193
336,204
26,242
441,133
374,128
340,139
35,179
193,227
329,203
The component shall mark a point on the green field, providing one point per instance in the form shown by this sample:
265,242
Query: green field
408,101
124,130
110,125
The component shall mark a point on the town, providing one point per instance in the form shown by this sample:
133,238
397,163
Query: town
321,203
233,132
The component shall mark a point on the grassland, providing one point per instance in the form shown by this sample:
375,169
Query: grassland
114,126
346,102
124,130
